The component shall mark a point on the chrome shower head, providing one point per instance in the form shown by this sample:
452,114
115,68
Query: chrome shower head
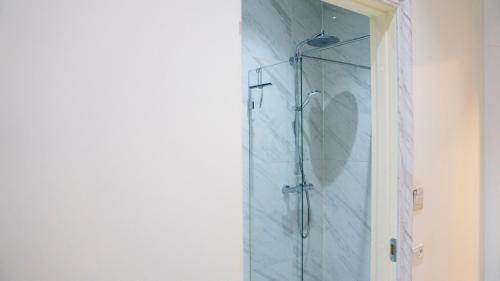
322,40
308,97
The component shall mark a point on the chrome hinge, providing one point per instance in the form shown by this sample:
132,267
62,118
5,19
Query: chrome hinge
394,249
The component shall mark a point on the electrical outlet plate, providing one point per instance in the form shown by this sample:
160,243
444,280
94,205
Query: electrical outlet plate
418,252
418,198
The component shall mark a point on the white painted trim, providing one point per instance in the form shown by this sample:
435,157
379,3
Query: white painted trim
368,8
385,148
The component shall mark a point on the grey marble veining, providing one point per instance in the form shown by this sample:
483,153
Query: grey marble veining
405,116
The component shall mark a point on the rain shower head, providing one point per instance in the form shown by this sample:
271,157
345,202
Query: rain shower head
319,41
322,40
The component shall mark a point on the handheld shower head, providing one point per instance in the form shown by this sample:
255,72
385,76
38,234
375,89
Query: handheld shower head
308,97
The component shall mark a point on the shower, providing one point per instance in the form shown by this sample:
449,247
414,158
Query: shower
321,40
302,112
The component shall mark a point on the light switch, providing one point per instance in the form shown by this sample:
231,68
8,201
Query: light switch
418,198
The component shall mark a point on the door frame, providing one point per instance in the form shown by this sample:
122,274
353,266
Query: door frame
391,61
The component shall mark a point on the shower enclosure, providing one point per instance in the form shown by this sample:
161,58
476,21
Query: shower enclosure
308,126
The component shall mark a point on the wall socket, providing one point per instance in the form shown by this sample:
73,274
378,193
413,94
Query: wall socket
418,253
418,198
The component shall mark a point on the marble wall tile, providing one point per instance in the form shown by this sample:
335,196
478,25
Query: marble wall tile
347,220
312,114
344,24
347,151
306,19
313,245
273,114
266,31
275,244
405,140
347,128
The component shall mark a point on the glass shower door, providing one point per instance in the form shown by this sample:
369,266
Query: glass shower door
274,242
285,223
336,132
309,125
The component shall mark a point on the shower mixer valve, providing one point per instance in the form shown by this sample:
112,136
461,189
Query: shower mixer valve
297,188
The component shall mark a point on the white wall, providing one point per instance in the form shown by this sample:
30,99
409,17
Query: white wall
101,173
120,140
447,88
491,143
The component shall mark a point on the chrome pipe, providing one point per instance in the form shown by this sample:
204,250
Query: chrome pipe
337,62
